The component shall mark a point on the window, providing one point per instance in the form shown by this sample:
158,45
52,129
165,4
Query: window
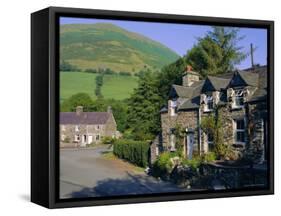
210,103
210,141
173,142
97,137
172,139
76,128
62,137
238,98
76,138
173,107
239,135
98,127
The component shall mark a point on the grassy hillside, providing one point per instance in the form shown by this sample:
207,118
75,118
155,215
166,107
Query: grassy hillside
118,87
115,86
105,45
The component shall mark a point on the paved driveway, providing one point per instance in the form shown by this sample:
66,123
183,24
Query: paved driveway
86,173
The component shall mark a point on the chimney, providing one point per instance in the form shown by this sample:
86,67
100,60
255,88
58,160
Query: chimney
109,109
79,110
190,76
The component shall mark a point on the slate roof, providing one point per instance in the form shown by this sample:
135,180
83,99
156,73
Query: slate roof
181,91
249,77
259,94
255,77
84,118
215,83
192,103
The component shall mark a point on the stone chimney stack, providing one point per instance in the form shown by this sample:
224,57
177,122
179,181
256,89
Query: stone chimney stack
109,109
79,110
190,77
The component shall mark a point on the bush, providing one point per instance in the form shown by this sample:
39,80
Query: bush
92,144
163,165
194,163
108,140
90,70
122,73
133,151
66,140
209,157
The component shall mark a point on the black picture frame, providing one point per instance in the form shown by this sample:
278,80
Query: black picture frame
45,105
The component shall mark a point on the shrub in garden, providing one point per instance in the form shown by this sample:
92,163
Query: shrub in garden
66,140
209,157
163,164
194,163
133,151
108,140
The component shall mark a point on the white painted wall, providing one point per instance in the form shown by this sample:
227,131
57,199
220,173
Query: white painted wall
15,102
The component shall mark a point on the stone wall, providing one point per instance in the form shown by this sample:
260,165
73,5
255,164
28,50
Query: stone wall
185,119
155,148
257,135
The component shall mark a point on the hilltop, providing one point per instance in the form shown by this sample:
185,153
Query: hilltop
105,45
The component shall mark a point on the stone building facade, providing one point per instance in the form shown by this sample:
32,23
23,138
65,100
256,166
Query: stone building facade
239,97
81,128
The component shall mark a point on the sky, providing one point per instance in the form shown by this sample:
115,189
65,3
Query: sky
181,37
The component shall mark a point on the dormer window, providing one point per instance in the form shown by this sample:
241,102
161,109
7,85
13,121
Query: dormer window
238,98
173,107
210,103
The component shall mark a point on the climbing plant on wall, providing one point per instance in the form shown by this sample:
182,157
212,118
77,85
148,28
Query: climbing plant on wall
213,124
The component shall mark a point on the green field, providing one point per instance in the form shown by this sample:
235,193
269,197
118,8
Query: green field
114,86
118,87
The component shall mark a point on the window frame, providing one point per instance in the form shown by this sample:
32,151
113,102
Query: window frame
97,137
210,143
173,107
172,137
209,100
236,131
238,97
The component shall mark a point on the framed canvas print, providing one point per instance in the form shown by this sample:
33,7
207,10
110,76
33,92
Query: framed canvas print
138,107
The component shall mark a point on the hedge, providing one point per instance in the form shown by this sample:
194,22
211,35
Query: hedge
133,151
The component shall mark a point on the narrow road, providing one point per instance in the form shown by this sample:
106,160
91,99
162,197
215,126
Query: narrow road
87,173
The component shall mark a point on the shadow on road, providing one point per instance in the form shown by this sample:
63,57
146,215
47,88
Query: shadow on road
133,184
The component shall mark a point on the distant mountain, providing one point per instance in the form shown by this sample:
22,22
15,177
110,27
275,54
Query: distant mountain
104,45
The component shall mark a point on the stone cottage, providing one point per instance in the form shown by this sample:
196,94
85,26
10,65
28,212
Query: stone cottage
240,97
80,128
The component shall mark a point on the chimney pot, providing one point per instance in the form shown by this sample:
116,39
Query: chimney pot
79,110
188,68
109,109
189,76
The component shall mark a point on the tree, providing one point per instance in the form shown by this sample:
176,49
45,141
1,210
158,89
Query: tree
79,99
143,110
119,110
66,66
169,75
99,83
216,53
